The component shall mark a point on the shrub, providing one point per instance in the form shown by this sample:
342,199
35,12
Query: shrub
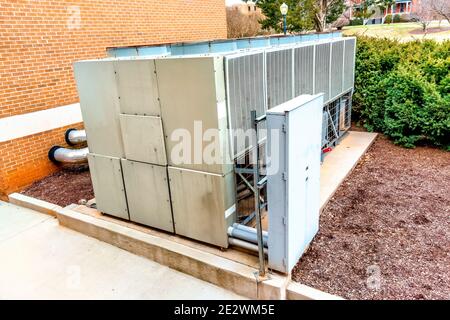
397,18
388,19
403,90
357,22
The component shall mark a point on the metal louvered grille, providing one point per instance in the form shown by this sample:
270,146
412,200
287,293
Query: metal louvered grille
279,77
264,79
349,63
245,87
322,70
304,70
337,67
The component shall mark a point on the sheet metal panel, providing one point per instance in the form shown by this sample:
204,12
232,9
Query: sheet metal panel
322,70
293,188
148,194
99,101
202,204
192,93
137,87
304,70
349,63
245,92
107,181
279,66
143,139
337,69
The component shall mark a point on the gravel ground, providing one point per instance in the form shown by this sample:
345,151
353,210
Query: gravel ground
63,187
386,232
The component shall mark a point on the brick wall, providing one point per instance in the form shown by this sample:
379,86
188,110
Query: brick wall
40,39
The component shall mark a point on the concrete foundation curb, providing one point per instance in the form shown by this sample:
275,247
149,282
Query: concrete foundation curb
222,272
34,204
297,291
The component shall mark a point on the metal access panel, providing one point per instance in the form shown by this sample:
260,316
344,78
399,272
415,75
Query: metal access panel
293,186
337,69
245,82
143,139
107,180
304,70
349,63
203,204
280,82
192,93
148,194
99,102
137,87
322,70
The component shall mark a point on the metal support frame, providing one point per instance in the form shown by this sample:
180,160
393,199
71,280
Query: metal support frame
256,186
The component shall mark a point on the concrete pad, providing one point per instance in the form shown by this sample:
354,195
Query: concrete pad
225,273
15,220
340,162
46,261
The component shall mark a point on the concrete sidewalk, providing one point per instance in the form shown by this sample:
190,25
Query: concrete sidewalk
42,260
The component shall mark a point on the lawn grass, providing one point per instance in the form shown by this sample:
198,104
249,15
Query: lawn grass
400,31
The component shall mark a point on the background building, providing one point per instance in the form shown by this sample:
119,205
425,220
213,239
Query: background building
39,41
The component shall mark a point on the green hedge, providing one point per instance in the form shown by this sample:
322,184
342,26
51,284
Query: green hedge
403,90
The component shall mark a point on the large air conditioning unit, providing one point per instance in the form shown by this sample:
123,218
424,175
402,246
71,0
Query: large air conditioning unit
138,108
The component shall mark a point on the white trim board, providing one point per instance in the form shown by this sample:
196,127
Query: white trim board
23,125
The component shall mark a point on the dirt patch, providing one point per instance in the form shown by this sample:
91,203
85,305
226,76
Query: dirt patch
430,30
63,187
386,232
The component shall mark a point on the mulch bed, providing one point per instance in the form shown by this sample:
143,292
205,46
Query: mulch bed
430,30
70,185
386,232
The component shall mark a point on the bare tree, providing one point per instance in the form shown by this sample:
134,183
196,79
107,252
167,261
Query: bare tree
423,14
441,8
323,7
241,24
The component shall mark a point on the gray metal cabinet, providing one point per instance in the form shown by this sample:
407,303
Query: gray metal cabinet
203,204
148,194
143,139
192,93
99,103
137,86
293,186
107,180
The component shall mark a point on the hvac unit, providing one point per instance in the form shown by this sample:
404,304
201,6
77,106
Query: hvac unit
148,121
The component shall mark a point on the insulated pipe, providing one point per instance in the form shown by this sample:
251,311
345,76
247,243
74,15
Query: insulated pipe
245,245
246,234
59,154
74,136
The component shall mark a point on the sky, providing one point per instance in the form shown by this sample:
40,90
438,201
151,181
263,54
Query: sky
231,2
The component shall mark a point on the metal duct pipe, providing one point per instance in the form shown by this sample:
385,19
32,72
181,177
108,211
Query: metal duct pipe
59,154
245,233
245,245
74,136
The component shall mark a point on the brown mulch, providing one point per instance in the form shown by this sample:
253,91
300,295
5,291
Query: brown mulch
386,232
430,30
70,185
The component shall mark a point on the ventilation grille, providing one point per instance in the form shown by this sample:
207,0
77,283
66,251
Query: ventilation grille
304,70
245,88
322,68
349,63
337,67
279,77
